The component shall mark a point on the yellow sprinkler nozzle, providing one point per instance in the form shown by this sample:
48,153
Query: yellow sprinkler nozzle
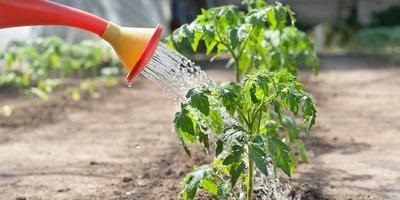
134,46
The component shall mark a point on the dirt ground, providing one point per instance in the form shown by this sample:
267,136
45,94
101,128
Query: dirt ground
121,145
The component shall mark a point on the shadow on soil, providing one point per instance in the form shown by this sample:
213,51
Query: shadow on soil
311,185
319,146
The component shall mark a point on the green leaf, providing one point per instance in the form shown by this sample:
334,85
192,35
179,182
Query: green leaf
229,100
258,86
277,107
234,156
233,136
235,171
199,101
187,151
216,121
210,46
254,93
203,138
229,93
196,40
194,180
272,128
291,102
219,148
217,164
302,150
277,16
210,186
257,153
223,190
271,19
281,155
184,126
254,4
293,128
309,112
40,93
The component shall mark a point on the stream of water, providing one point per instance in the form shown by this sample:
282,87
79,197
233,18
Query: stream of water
174,73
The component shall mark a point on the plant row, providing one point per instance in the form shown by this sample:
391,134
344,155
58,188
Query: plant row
37,67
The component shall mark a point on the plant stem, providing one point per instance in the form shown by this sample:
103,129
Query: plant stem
231,51
237,71
244,119
250,179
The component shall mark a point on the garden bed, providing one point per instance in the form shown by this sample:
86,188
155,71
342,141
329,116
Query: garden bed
121,145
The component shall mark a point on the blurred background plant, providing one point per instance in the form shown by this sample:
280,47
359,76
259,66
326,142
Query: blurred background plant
40,66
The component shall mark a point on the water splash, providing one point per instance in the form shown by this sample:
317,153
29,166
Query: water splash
174,73
271,187
137,146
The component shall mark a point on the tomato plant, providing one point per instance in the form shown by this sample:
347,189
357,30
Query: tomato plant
246,122
257,39
253,123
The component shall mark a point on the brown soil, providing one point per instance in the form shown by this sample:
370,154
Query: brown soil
121,145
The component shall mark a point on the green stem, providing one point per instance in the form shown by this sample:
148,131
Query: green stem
231,51
244,119
237,71
259,122
250,179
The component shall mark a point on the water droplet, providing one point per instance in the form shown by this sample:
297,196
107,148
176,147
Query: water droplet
129,84
137,146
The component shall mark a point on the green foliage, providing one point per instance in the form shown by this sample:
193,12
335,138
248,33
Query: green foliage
254,116
388,17
379,37
36,66
257,39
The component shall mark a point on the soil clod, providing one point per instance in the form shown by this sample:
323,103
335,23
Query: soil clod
126,179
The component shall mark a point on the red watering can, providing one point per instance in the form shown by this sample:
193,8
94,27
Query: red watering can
134,46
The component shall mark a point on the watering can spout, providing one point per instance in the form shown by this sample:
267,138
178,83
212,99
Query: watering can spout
134,46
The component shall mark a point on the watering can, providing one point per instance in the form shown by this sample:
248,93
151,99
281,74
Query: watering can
134,46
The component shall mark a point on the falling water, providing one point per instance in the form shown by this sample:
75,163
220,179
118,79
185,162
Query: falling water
174,73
